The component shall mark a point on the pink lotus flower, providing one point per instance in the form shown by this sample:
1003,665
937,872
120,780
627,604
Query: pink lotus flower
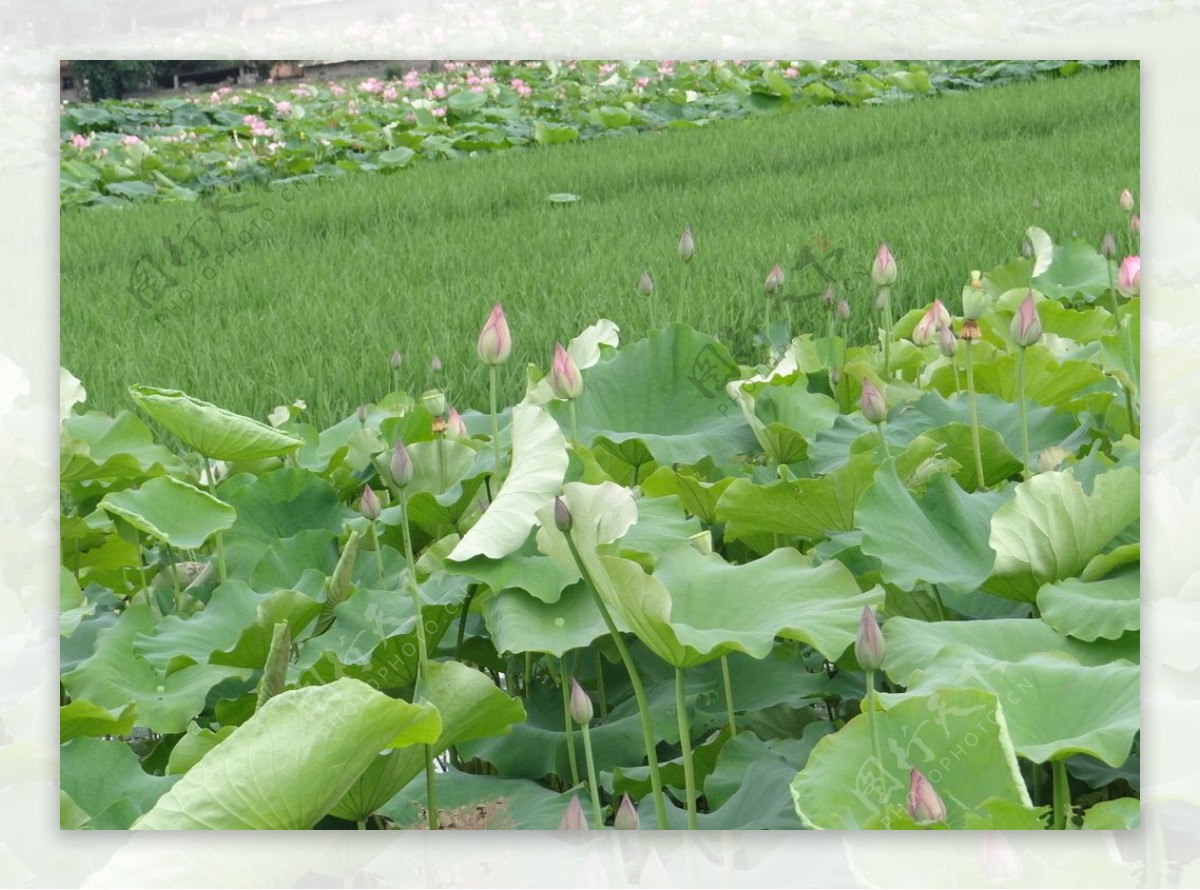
565,378
438,112
947,342
774,279
369,506
401,465
495,341
874,408
1129,276
573,819
454,423
80,141
130,140
283,107
390,94
935,316
924,803
883,269
1026,327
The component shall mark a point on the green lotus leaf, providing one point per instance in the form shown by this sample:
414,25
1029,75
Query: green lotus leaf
286,766
1124,813
661,525
1051,529
83,718
806,508
685,615
911,643
999,463
1053,705
519,622
96,446
1077,268
469,801
470,706
944,532
956,737
1070,385
105,781
1089,610
538,468
116,676
526,570
662,397
600,514
699,498
214,432
194,744
171,511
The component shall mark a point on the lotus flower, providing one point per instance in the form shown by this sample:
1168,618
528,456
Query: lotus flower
935,316
687,245
395,360
774,279
1135,224
1026,327
495,341
829,297
627,815
573,819
581,705
562,516
362,413
874,408
924,803
843,309
369,505
454,423
401,466
565,379
1129,276
869,647
1126,200
947,342
646,284
1108,245
883,270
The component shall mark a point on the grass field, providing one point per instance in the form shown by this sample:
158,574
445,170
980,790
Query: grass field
327,280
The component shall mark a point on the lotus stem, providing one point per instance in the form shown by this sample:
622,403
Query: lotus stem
566,697
593,786
685,743
883,440
733,731
767,329
873,724
1127,347
495,422
974,416
1062,796
212,489
574,425
635,680
600,684
887,333
1024,421
422,653
378,553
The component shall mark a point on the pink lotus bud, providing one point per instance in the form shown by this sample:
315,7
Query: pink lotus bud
935,316
1126,200
1129,276
562,516
573,819
401,467
581,705
883,270
687,245
646,284
435,364
395,360
829,298
774,279
1108,246
495,341
874,408
362,413
454,423
924,804
843,309
947,342
1026,327
565,379
1135,224
998,859
627,815
869,647
369,505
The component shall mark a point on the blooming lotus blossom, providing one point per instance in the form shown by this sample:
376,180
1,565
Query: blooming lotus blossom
495,340
283,107
80,141
1129,276
130,140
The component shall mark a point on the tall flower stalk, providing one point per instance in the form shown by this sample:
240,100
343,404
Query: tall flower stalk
563,522
494,347
685,743
869,650
975,303
1026,329
581,713
883,276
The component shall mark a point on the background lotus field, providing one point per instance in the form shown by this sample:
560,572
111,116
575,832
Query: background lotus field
739,556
